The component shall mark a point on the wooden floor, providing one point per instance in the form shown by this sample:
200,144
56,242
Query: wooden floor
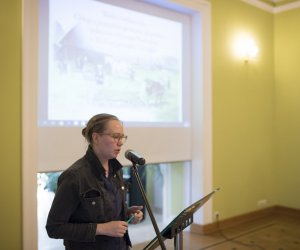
280,232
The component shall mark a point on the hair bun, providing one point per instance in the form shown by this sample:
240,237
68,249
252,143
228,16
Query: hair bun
84,132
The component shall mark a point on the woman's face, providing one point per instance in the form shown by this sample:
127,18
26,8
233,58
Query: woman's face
107,145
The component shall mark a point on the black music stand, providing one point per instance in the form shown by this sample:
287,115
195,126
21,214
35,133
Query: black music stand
179,223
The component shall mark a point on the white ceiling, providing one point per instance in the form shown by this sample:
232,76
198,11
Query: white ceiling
278,2
275,6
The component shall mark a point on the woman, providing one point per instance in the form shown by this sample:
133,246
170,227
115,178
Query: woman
89,210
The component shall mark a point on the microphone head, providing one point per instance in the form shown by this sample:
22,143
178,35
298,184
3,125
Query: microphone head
128,151
134,157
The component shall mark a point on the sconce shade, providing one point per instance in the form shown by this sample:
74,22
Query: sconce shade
246,48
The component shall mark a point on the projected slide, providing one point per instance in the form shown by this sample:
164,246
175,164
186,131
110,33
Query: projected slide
104,58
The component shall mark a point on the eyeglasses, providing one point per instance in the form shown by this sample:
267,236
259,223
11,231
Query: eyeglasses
117,137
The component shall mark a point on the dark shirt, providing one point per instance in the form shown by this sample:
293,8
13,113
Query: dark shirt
85,197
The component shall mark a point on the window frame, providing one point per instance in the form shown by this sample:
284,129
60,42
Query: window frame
200,10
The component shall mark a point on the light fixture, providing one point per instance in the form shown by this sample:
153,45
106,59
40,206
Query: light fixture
245,48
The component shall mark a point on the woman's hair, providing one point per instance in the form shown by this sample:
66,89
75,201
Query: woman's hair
97,124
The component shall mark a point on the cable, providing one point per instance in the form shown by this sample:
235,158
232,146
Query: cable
233,239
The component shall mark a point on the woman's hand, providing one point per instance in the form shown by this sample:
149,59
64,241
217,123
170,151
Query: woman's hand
112,228
136,211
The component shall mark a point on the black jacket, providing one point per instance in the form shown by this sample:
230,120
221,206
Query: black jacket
85,197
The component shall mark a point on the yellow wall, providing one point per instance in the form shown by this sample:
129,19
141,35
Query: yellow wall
256,107
255,113
10,124
287,119
242,109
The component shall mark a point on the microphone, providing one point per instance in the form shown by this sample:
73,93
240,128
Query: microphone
134,157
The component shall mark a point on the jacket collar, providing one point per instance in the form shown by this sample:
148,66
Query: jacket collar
96,165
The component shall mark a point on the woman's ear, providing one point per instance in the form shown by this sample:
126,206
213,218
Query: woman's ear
95,138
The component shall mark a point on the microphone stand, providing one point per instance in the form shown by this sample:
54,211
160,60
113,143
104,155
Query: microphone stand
161,243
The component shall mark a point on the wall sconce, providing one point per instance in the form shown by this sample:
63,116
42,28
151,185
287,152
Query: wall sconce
246,48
